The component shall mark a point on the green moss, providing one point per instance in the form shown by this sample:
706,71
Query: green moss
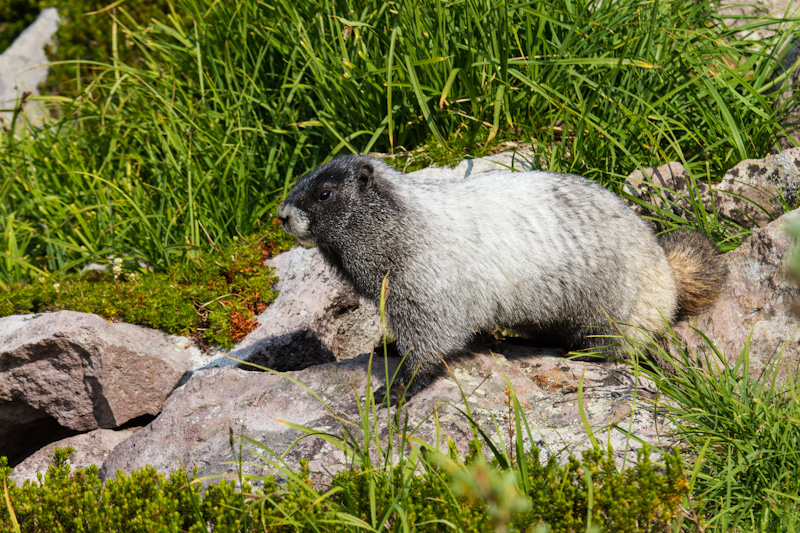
213,297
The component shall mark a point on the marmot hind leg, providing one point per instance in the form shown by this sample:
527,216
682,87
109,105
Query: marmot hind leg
570,337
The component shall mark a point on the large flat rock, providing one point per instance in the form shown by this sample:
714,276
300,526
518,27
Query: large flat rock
193,428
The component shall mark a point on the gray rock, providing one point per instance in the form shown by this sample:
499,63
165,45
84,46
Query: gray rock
756,303
23,65
193,428
771,184
78,372
90,449
317,317
752,193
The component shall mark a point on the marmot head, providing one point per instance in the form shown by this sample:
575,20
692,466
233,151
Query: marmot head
337,199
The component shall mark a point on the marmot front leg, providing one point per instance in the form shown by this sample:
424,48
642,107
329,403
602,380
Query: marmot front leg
414,375
424,360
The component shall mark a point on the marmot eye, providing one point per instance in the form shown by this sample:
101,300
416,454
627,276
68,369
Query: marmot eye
324,195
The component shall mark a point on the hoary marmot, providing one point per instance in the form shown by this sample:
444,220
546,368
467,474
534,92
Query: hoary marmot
537,252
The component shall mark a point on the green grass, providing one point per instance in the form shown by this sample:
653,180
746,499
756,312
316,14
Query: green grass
82,33
195,141
739,434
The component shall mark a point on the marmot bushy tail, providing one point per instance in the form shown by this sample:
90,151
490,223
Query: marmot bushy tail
541,253
700,270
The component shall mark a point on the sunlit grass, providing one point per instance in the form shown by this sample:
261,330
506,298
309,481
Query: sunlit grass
195,145
738,431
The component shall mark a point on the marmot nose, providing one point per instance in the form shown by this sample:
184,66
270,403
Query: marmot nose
282,215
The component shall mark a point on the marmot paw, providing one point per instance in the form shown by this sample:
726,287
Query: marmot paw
394,396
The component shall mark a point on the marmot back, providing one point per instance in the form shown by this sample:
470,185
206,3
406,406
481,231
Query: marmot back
538,252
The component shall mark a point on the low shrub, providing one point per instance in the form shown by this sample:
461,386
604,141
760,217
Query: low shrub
583,492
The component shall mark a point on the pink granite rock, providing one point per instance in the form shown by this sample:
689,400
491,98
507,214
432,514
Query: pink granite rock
193,428
317,317
90,449
752,193
756,302
75,371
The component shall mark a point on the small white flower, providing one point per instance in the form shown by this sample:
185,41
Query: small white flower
56,286
42,280
117,268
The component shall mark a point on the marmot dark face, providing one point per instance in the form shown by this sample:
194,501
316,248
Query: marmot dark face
324,204
352,209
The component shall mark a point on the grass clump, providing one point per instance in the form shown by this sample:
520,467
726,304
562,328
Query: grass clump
83,34
229,102
739,433
214,297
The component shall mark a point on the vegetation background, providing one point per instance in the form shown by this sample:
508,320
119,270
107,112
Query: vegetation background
176,127
181,124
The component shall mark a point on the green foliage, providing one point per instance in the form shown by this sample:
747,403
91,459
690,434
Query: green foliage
15,16
633,500
227,103
66,501
740,433
213,296
480,497
83,34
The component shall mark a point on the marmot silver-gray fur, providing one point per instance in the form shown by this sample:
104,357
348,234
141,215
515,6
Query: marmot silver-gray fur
538,252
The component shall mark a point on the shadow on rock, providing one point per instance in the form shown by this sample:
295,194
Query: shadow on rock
294,351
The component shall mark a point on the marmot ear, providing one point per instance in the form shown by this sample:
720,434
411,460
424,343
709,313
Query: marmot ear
364,174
